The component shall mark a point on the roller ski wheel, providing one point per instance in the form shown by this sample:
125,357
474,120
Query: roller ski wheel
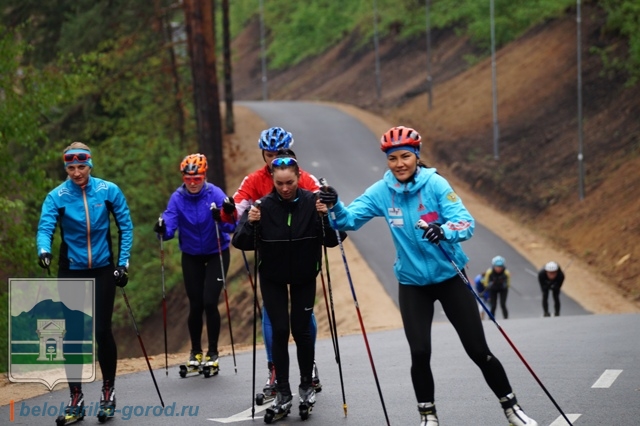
105,414
210,366
307,396
107,402
68,419
280,408
189,371
263,398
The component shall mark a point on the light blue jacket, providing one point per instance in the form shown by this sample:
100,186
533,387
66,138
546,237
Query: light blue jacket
83,215
430,198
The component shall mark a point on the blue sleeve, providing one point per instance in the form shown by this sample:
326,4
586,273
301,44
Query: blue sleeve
459,224
170,217
47,225
124,224
360,211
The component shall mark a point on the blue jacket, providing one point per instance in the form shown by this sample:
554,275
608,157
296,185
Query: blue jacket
83,214
428,197
190,214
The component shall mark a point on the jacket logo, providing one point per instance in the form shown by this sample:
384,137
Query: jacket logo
101,186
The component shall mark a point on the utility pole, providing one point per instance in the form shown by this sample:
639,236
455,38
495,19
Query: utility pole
429,79
494,88
580,129
228,82
263,53
376,47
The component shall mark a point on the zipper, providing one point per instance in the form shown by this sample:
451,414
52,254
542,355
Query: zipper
86,211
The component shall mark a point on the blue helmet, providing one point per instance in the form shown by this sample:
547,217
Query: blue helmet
274,139
497,261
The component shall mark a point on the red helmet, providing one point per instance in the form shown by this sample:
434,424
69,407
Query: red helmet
194,164
401,136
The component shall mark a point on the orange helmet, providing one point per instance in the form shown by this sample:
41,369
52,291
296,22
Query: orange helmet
401,137
194,164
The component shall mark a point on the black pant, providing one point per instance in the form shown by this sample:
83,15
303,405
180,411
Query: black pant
203,284
105,292
276,300
416,308
494,294
555,291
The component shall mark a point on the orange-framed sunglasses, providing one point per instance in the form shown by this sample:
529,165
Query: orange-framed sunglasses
193,179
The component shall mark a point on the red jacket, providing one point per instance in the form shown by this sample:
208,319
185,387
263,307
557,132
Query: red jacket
260,183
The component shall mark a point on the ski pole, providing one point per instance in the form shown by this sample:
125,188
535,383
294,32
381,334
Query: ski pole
164,301
332,218
255,303
226,296
332,318
246,266
421,224
135,326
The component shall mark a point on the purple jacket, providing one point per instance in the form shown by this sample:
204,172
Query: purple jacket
191,215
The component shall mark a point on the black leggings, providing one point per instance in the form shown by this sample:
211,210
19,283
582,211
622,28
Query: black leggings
556,299
275,296
501,294
203,284
105,293
416,308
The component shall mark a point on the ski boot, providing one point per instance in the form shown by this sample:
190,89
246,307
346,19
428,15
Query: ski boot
74,411
315,378
307,398
514,412
428,415
107,402
210,365
193,366
269,390
281,406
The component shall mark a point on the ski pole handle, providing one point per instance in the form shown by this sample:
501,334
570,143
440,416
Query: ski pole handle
160,219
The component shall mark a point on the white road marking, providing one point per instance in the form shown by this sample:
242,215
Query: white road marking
245,415
607,379
560,421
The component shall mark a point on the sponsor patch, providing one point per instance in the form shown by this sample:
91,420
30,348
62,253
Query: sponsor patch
396,223
452,196
394,211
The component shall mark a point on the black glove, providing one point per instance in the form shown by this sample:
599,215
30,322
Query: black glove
44,260
122,276
159,227
229,206
216,214
434,233
328,195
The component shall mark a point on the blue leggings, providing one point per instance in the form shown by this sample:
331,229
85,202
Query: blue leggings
267,332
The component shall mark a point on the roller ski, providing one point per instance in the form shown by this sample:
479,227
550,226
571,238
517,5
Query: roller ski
210,365
280,408
193,366
107,403
269,390
428,414
74,411
307,396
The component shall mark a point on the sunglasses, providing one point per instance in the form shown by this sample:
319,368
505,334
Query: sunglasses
79,156
284,161
196,180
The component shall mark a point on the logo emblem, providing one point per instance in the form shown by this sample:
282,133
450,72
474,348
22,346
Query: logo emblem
51,331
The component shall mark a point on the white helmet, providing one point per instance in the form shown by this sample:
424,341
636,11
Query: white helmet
551,267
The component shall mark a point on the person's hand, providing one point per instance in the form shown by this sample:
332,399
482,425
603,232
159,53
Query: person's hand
433,233
321,207
328,196
216,213
229,206
254,214
159,227
122,276
44,260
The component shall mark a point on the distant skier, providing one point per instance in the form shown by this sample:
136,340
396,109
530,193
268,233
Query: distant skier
497,281
410,191
482,292
189,213
551,278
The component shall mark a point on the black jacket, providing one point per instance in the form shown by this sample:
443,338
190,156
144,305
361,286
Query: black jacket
546,283
289,237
